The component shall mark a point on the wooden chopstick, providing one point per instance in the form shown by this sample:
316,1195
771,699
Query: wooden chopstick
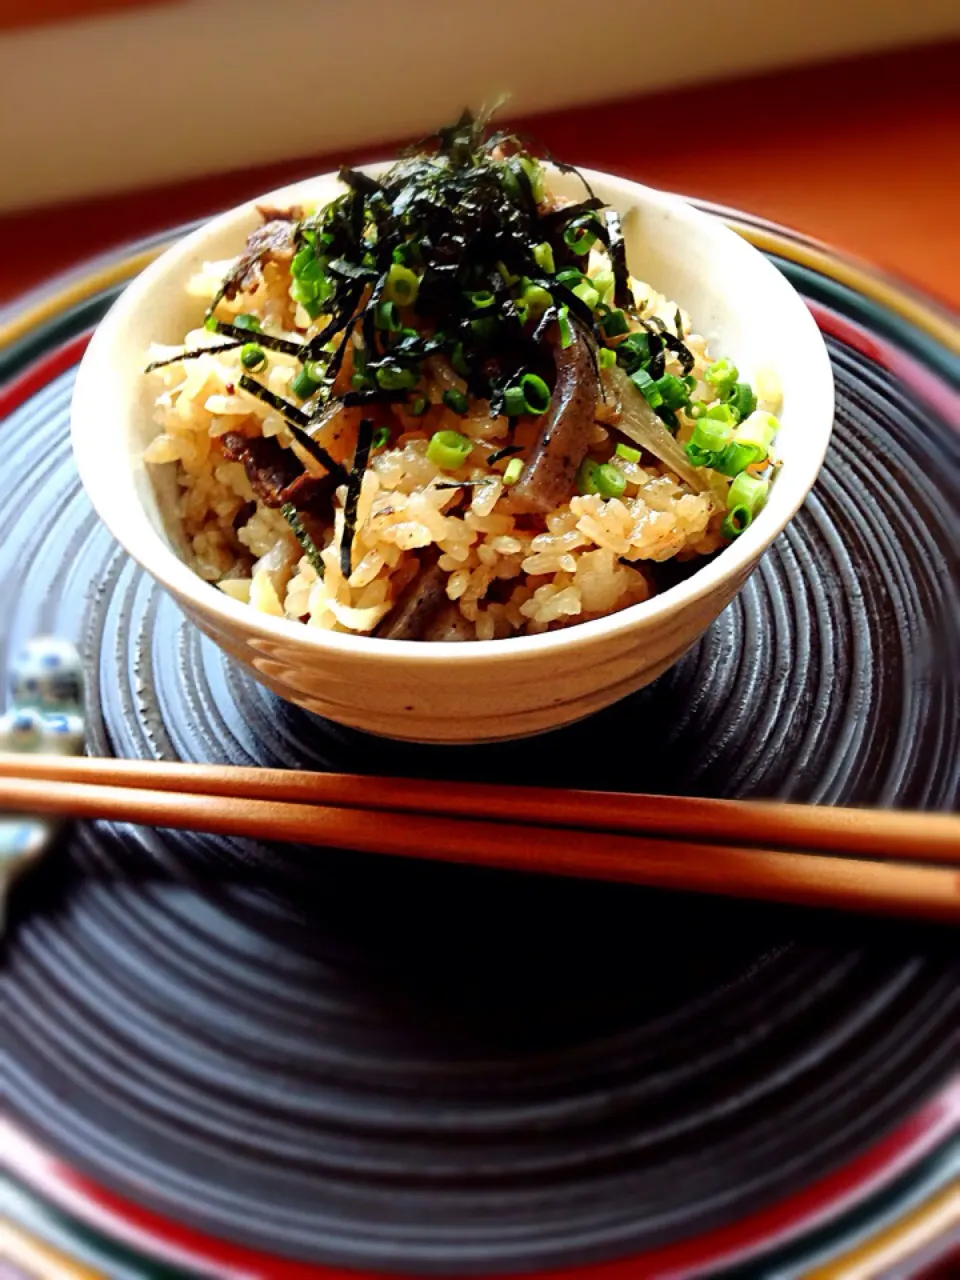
876,833
810,879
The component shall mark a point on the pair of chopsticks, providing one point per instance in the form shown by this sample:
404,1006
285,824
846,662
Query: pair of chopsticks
880,861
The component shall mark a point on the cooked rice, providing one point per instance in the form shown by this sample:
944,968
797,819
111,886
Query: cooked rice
506,574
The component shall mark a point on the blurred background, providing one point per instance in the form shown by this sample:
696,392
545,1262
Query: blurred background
840,117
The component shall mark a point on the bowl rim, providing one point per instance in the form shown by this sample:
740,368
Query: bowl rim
162,562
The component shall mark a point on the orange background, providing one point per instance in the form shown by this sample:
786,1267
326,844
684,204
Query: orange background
863,154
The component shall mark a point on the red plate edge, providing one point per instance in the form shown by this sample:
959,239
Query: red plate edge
164,1240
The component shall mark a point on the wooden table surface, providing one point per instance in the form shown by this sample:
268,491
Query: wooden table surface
862,154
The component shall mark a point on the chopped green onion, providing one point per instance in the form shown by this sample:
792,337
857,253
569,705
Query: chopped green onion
613,324
506,275
303,386
604,284
386,317
247,321
570,276
710,436
536,300
210,323
543,257
536,393
514,402
587,294
587,476
579,236
402,285
742,399
606,357
633,351
610,480
458,361
673,391
722,374
302,260
418,407
380,437
566,328
645,384
723,413
535,174
394,377
485,328
627,453
513,471
252,357
735,458
405,253
456,401
315,369
748,491
758,430
697,410
449,450
481,299
735,522
690,381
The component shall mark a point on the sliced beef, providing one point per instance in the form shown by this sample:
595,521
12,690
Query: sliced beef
273,242
276,475
548,478
418,606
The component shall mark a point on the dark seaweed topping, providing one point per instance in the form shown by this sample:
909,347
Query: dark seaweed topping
289,513
262,339
298,422
507,451
449,253
192,355
360,459
622,294
680,350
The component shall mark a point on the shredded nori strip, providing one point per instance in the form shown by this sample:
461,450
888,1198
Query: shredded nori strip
680,350
506,452
360,459
291,413
297,421
289,513
260,339
192,355
616,247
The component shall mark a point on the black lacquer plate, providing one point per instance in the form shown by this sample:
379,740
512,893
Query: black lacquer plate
394,1066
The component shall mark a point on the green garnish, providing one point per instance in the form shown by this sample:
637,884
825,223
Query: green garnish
402,285
745,499
609,480
628,453
648,387
543,257
252,357
449,450
387,318
381,436
606,357
456,400
722,374
303,386
418,407
614,323
394,377
513,471
247,321
742,399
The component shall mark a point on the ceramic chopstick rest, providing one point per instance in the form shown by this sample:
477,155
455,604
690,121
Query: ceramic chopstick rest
45,717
